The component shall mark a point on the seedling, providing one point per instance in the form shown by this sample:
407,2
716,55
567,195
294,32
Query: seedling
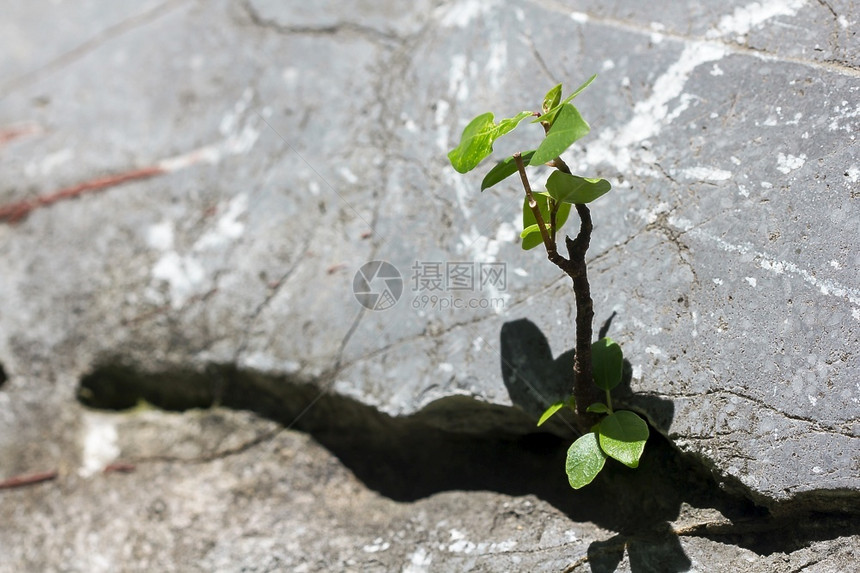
621,434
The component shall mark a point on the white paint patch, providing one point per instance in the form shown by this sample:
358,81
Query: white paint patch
845,111
418,561
263,362
521,272
506,233
746,18
718,282
482,249
347,174
716,70
835,264
446,367
607,65
788,163
653,350
230,120
637,372
751,281
160,236
99,443
855,312
702,173
54,160
442,132
457,86
652,114
827,287
184,276
228,228
459,544
290,75
649,113
239,139
377,546
579,17
853,174
497,62
462,14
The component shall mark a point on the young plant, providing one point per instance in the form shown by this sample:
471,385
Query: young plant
606,433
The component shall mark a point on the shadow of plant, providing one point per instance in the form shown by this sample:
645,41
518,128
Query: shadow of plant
639,504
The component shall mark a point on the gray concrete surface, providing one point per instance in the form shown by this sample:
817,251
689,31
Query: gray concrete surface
272,149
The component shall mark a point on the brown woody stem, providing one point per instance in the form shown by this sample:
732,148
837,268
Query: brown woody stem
585,392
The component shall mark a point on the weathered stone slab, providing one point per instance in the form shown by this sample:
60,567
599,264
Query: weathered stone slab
270,153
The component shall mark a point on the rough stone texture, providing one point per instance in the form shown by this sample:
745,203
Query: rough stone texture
291,144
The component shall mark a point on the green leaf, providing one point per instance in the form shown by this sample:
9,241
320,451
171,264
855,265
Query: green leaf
580,89
585,459
598,408
533,238
574,189
551,99
550,115
607,363
623,436
476,142
504,169
567,128
532,229
548,413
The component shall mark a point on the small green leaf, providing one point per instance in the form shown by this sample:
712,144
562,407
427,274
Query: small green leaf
607,363
533,238
580,89
532,229
550,411
504,169
567,128
585,459
598,408
623,436
549,116
476,142
551,99
574,189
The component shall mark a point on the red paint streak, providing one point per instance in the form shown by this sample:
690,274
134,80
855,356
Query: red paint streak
120,467
14,212
20,481
11,133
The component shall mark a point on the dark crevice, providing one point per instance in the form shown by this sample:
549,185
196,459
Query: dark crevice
3,377
459,443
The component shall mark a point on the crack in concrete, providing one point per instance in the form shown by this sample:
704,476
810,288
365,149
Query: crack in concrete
539,58
374,35
263,438
110,33
274,290
393,456
839,67
816,425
